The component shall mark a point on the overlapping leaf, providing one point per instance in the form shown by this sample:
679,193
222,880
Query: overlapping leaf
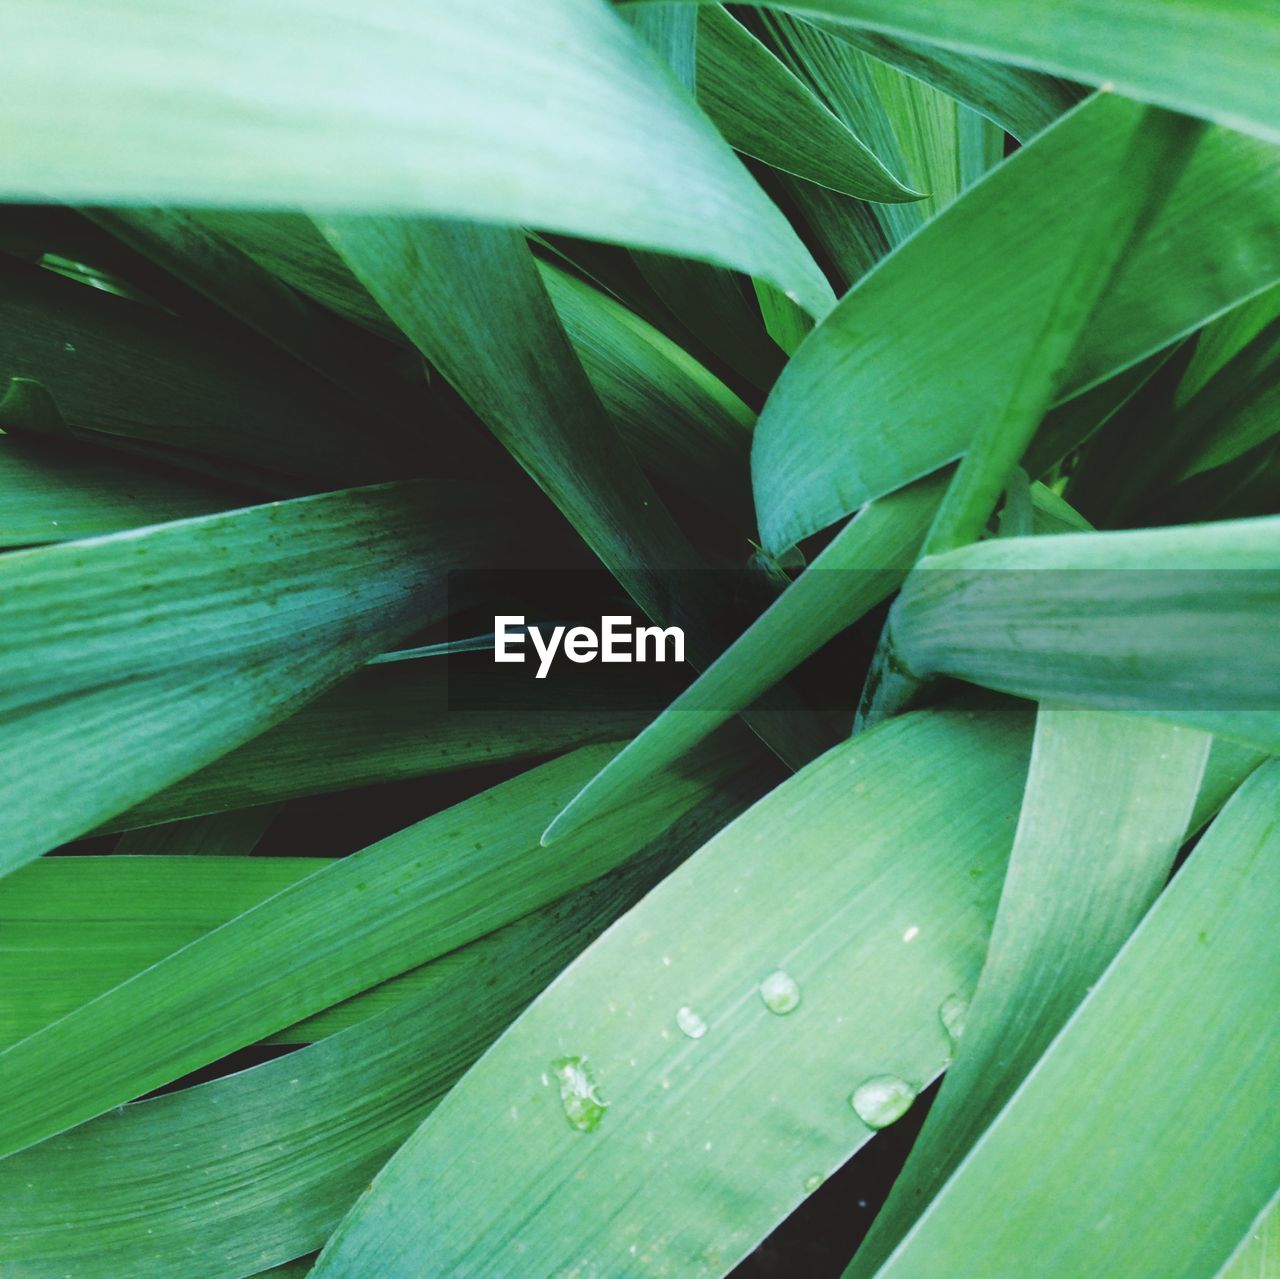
429,107
865,406
740,1117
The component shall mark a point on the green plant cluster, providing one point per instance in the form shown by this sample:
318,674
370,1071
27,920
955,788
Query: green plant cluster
919,361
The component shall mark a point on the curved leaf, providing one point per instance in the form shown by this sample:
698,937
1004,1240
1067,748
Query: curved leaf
1164,1057
739,1118
134,659
883,392
765,112
400,902
444,109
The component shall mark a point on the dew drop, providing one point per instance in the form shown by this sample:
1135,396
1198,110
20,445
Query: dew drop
953,1012
812,1182
780,992
690,1023
583,1107
882,1100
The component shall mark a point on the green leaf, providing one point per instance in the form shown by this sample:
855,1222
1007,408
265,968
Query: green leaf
1165,621
1211,58
219,1179
473,302
400,902
1019,100
865,562
52,493
766,112
863,408
400,720
1107,804
739,1118
909,124
1162,1059
408,105
162,649
73,927
1156,153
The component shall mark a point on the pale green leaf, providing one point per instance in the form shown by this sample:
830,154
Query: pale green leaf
871,400
1107,804
736,1120
410,105
1161,1074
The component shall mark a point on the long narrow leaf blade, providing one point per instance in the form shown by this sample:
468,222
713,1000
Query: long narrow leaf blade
1106,807
131,660
445,110
401,902
1166,621
741,1115
1167,1056
862,408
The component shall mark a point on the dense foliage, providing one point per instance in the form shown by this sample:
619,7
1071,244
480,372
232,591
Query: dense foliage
918,361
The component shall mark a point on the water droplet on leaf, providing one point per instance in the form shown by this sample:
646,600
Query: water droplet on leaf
780,992
882,1100
583,1107
690,1023
812,1182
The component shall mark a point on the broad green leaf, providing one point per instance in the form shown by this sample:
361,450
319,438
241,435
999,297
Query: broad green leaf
1091,1162
471,299
54,493
671,31
766,112
396,721
219,1179
400,902
870,401
1107,805
866,562
418,106
1166,621
738,1119
1212,58
134,659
